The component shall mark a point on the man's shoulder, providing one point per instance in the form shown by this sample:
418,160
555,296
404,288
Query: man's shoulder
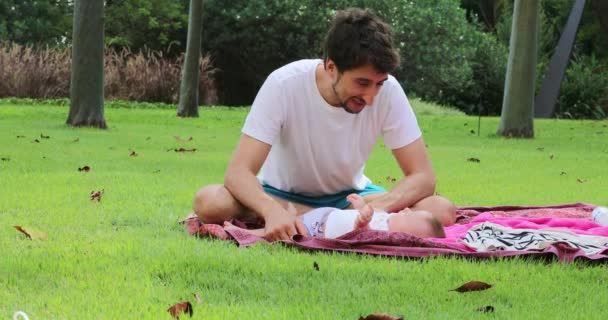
294,70
392,82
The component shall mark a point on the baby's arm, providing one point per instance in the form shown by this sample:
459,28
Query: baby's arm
356,200
365,211
364,218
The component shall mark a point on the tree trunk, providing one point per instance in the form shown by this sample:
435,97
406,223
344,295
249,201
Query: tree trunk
86,85
517,118
188,91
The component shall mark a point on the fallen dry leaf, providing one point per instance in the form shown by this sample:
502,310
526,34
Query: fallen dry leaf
486,309
198,299
181,307
380,316
182,150
96,195
84,168
473,160
44,137
31,233
315,265
473,286
179,139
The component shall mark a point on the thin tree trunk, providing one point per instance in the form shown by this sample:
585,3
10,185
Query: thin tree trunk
517,118
86,85
544,103
188,92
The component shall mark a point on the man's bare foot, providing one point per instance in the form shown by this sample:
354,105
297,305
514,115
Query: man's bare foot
365,217
256,232
356,200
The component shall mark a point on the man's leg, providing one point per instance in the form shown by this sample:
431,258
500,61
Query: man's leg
215,204
441,208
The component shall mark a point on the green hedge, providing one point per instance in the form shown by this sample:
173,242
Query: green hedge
445,58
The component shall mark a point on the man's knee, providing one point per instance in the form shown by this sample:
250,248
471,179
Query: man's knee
215,204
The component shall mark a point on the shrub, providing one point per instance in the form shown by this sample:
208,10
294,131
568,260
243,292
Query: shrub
584,91
444,58
44,73
250,38
150,77
35,73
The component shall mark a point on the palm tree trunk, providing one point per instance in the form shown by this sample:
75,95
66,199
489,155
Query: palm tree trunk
188,91
86,85
517,118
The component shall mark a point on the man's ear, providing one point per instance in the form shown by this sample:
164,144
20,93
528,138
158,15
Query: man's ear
329,65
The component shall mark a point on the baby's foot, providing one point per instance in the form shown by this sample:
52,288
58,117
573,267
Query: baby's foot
256,232
356,200
364,217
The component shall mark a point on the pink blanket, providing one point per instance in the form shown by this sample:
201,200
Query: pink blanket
572,217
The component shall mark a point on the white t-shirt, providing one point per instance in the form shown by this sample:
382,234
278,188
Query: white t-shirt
340,222
318,149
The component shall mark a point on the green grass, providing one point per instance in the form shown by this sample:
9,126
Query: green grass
126,257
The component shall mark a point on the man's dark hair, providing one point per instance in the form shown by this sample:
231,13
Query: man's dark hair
358,37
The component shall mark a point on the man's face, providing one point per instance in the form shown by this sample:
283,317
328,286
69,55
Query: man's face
354,89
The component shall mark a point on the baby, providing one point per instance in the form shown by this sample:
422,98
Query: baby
331,223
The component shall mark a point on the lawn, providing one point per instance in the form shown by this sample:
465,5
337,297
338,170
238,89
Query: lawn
125,257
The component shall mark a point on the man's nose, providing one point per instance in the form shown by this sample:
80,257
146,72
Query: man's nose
370,94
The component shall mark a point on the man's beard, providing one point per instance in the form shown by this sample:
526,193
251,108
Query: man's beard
344,103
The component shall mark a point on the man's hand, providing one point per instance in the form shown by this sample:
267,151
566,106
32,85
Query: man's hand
283,225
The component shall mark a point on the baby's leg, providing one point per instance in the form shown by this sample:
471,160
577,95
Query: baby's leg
416,222
255,232
356,200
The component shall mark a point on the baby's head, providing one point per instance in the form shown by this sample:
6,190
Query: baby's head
419,223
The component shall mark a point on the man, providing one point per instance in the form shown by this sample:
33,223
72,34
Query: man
311,129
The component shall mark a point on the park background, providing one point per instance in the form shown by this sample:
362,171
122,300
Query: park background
126,256
453,52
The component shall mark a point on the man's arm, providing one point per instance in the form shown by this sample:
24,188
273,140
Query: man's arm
418,183
241,181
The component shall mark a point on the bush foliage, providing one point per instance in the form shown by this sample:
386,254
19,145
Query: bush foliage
445,58
584,91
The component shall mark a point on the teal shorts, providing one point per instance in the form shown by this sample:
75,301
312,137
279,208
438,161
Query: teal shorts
337,200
